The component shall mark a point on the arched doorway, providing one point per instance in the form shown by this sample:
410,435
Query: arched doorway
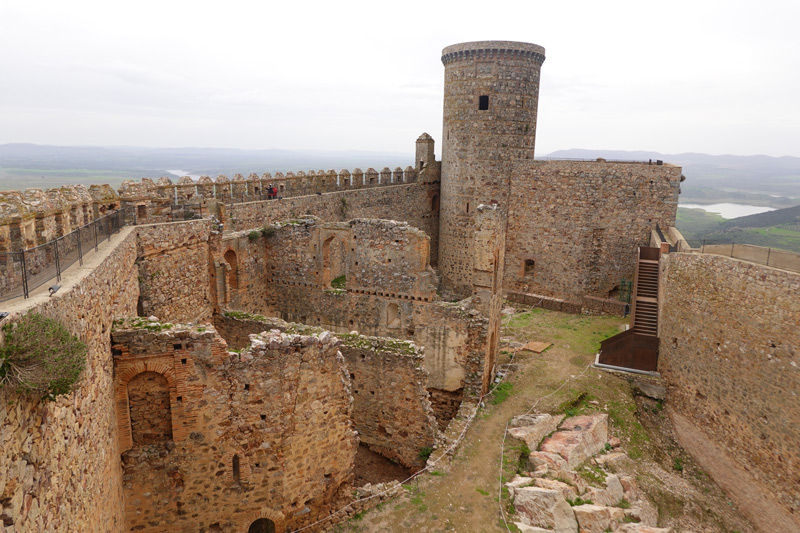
333,263
262,525
233,273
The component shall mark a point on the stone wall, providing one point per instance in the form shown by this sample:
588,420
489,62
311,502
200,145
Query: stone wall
389,291
174,272
411,203
155,200
491,96
391,408
59,461
36,216
573,227
265,433
730,351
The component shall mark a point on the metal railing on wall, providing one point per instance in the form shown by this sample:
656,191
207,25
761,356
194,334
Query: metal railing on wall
25,271
752,253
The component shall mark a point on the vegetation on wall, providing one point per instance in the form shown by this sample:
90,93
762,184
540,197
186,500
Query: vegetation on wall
40,356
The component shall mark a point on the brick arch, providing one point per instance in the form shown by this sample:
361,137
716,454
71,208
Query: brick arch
277,518
123,407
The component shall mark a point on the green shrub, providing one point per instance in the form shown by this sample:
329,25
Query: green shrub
425,452
40,356
253,235
339,283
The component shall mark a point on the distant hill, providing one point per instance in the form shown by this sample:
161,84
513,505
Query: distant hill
32,165
780,217
774,229
750,173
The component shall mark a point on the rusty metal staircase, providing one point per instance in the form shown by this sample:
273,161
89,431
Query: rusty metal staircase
637,348
644,312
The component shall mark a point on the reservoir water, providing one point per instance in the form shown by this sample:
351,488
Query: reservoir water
181,173
727,211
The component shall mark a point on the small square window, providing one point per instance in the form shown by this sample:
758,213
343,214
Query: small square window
528,268
483,102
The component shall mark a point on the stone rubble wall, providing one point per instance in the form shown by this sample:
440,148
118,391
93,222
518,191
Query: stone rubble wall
391,408
267,433
581,223
35,216
390,291
59,461
174,275
255,187
730,351
407,202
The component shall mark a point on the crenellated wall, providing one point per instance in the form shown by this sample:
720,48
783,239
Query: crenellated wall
153,200
730,351
35,216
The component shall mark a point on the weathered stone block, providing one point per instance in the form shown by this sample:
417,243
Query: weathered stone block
545,508
578,438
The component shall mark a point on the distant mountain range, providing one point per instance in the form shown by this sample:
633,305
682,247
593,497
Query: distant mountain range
710,178
748,173
199,160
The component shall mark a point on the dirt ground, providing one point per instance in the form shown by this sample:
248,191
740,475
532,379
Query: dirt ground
465,495
374,468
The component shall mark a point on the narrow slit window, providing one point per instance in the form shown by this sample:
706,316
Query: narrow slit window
237,472
483,102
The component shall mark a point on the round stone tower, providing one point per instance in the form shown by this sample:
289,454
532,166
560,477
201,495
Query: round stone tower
491,94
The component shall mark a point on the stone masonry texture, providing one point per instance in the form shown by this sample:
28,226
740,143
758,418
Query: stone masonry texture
491,96
59,461
579,224
730,352
266,432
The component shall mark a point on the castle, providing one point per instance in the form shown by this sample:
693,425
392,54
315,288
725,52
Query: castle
287,332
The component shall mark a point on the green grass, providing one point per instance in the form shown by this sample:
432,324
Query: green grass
622,416
502,392
523,320
339,283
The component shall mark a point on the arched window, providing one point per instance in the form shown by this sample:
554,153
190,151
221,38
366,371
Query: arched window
435,203
262,525
149,404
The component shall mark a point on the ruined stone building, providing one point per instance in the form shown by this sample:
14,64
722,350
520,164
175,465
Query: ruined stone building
360,309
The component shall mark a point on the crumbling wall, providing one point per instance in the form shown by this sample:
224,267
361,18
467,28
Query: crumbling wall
392,409
264,433
574,227
59,461
730,352
173,266
407,202
389,291
238,265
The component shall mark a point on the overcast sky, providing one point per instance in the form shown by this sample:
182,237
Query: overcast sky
703,75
